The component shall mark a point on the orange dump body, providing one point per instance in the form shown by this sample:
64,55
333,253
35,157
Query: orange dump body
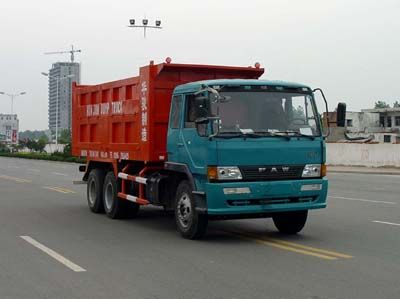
128,119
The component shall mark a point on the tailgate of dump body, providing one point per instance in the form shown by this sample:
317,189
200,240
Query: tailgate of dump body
128,119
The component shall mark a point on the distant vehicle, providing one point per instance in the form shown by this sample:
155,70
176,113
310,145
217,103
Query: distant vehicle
207,142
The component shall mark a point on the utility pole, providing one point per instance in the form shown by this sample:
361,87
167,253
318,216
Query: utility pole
145,25
12,97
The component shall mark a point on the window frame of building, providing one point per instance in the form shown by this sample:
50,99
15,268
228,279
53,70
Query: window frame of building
397,121
387,138
349,122
389,121
382,121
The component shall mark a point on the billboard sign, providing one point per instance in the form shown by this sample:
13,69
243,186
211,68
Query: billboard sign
14,136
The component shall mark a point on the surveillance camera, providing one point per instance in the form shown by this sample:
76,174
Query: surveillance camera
158,23
145,22
132,21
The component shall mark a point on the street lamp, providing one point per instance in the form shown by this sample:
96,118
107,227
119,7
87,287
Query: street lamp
58,79
145,25
12,96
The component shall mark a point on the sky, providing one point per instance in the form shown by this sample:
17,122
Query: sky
349,48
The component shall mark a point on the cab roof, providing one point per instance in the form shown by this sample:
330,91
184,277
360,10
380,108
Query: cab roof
195,86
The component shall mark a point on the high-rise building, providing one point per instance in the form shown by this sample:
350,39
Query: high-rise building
9,128
58,75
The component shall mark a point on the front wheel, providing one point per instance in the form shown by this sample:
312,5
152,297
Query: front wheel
290,222
189,222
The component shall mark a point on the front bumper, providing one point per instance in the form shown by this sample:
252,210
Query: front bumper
265,197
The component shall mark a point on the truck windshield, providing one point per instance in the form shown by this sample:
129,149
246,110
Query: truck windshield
266,112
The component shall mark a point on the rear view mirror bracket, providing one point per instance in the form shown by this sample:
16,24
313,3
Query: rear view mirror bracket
326,109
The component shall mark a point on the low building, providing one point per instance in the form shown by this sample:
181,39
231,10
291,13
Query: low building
388,117
9,125
376,125
361,121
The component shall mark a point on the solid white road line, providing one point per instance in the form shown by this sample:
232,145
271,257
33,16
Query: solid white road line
366,200
389,223
35,170
53,254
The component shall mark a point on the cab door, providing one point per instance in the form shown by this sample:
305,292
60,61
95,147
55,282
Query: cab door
174,141
194,149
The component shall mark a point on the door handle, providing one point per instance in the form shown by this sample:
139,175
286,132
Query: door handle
179,144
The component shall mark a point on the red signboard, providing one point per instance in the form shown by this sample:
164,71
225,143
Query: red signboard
14,136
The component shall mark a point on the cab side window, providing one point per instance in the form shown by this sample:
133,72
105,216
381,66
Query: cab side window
195,108
175,111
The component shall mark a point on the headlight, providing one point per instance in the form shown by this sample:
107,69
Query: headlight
311,171
224,173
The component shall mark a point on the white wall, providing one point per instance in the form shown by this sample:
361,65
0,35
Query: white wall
51,148
372,155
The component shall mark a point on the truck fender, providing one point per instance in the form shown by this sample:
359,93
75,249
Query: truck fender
107,166
199,195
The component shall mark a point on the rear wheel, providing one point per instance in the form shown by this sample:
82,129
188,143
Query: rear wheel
290,222
115,207
189,222
94,191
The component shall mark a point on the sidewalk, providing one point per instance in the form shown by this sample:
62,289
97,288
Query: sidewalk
363,170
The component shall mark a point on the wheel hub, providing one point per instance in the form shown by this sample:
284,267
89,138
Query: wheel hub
184,210
109,196
92,192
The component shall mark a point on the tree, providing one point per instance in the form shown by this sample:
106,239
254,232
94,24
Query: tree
40,145
381,104
65,136
31,144
396,104
44,138
4,148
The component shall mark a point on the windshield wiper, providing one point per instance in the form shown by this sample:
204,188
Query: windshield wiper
228,135
296,134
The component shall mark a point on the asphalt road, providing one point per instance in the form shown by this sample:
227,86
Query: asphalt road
51,246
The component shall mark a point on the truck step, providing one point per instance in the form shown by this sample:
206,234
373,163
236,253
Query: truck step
132,198
128,177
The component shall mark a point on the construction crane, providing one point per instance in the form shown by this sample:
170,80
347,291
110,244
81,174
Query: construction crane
72,52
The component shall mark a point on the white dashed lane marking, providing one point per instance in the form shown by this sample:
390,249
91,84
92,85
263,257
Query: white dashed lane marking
58,257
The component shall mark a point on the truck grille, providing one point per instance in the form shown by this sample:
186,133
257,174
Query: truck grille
267,173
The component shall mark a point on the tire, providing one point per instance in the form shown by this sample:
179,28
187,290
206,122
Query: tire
190,224
290,222
115,207
94,192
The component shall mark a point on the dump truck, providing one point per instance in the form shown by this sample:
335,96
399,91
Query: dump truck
203,141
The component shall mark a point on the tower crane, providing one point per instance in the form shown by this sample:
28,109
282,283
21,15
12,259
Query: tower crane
72,52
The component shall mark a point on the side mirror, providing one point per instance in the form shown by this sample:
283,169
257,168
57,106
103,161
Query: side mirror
341,115
202,126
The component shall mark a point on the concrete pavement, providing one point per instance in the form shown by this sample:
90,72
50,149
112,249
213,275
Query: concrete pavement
348,250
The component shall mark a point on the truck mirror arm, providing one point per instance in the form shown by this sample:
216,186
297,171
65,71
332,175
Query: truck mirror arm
326,109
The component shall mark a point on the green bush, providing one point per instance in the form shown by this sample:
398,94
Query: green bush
4,148
44,156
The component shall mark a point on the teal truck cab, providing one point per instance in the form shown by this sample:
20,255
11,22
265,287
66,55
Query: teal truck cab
253,148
